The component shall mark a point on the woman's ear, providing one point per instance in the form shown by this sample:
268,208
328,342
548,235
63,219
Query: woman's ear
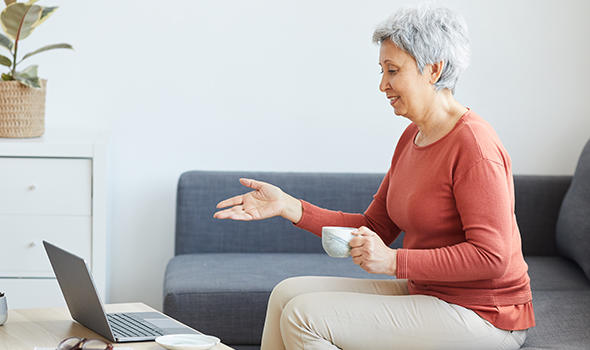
436,71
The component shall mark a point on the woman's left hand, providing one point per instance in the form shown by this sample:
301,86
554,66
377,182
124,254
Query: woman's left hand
369,252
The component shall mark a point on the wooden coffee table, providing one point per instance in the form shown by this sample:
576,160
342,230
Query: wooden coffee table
27,328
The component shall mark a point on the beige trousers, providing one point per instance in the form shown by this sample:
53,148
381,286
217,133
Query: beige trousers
315,313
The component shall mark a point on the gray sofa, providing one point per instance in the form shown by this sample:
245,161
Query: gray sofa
223,272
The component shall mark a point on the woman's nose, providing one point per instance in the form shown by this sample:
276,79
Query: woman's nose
383,84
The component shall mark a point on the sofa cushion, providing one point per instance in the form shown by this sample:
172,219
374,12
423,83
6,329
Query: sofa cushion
556,273
199,191
573,224
563,320
226,294
537,202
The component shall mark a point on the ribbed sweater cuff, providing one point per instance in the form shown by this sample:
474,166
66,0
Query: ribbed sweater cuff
309,222
402,264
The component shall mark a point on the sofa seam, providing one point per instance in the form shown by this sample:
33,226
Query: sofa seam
190,293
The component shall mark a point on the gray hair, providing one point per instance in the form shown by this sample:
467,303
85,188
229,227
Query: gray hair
430,35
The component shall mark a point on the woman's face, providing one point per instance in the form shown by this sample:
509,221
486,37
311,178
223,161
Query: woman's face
408,91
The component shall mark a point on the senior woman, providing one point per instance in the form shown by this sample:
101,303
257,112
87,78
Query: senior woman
462,281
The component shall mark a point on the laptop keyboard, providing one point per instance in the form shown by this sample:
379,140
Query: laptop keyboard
124,325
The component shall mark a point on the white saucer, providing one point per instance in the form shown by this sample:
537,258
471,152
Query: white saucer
187,341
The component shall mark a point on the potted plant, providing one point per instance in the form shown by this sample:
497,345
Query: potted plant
22,93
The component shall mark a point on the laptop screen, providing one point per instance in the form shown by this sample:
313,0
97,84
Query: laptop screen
78,289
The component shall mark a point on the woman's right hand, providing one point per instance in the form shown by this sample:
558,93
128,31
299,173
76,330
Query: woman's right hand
266,201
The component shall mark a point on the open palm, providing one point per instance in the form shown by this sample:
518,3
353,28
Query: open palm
264,202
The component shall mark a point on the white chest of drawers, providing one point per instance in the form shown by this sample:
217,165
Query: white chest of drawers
51,188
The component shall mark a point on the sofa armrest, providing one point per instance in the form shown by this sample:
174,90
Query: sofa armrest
538,200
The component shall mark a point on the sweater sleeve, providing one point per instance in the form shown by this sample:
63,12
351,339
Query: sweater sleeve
484,201
375,217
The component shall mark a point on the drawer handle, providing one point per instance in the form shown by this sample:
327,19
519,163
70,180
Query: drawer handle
32,187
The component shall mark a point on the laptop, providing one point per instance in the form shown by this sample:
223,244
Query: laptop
85,306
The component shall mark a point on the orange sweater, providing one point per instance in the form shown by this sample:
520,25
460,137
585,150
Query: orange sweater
454,199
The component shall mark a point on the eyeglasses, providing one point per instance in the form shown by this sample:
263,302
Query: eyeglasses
75,343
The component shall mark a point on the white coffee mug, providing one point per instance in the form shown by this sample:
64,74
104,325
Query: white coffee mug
3,309
335,240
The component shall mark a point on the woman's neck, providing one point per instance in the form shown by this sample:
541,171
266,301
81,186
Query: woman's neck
439,118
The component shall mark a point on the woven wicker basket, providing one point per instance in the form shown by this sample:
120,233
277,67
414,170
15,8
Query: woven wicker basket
22,109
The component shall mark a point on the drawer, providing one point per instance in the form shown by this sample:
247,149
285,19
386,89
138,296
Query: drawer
32,293
46,186
22,253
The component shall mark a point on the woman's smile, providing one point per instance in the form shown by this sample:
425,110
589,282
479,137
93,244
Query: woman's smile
393,100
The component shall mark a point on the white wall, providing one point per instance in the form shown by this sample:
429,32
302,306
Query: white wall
285,86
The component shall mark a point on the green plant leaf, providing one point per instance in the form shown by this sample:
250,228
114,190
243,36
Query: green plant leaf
28,77
7,77
8,2
46,48
19,20
5,61
30,71
45,13
5,42
30,82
